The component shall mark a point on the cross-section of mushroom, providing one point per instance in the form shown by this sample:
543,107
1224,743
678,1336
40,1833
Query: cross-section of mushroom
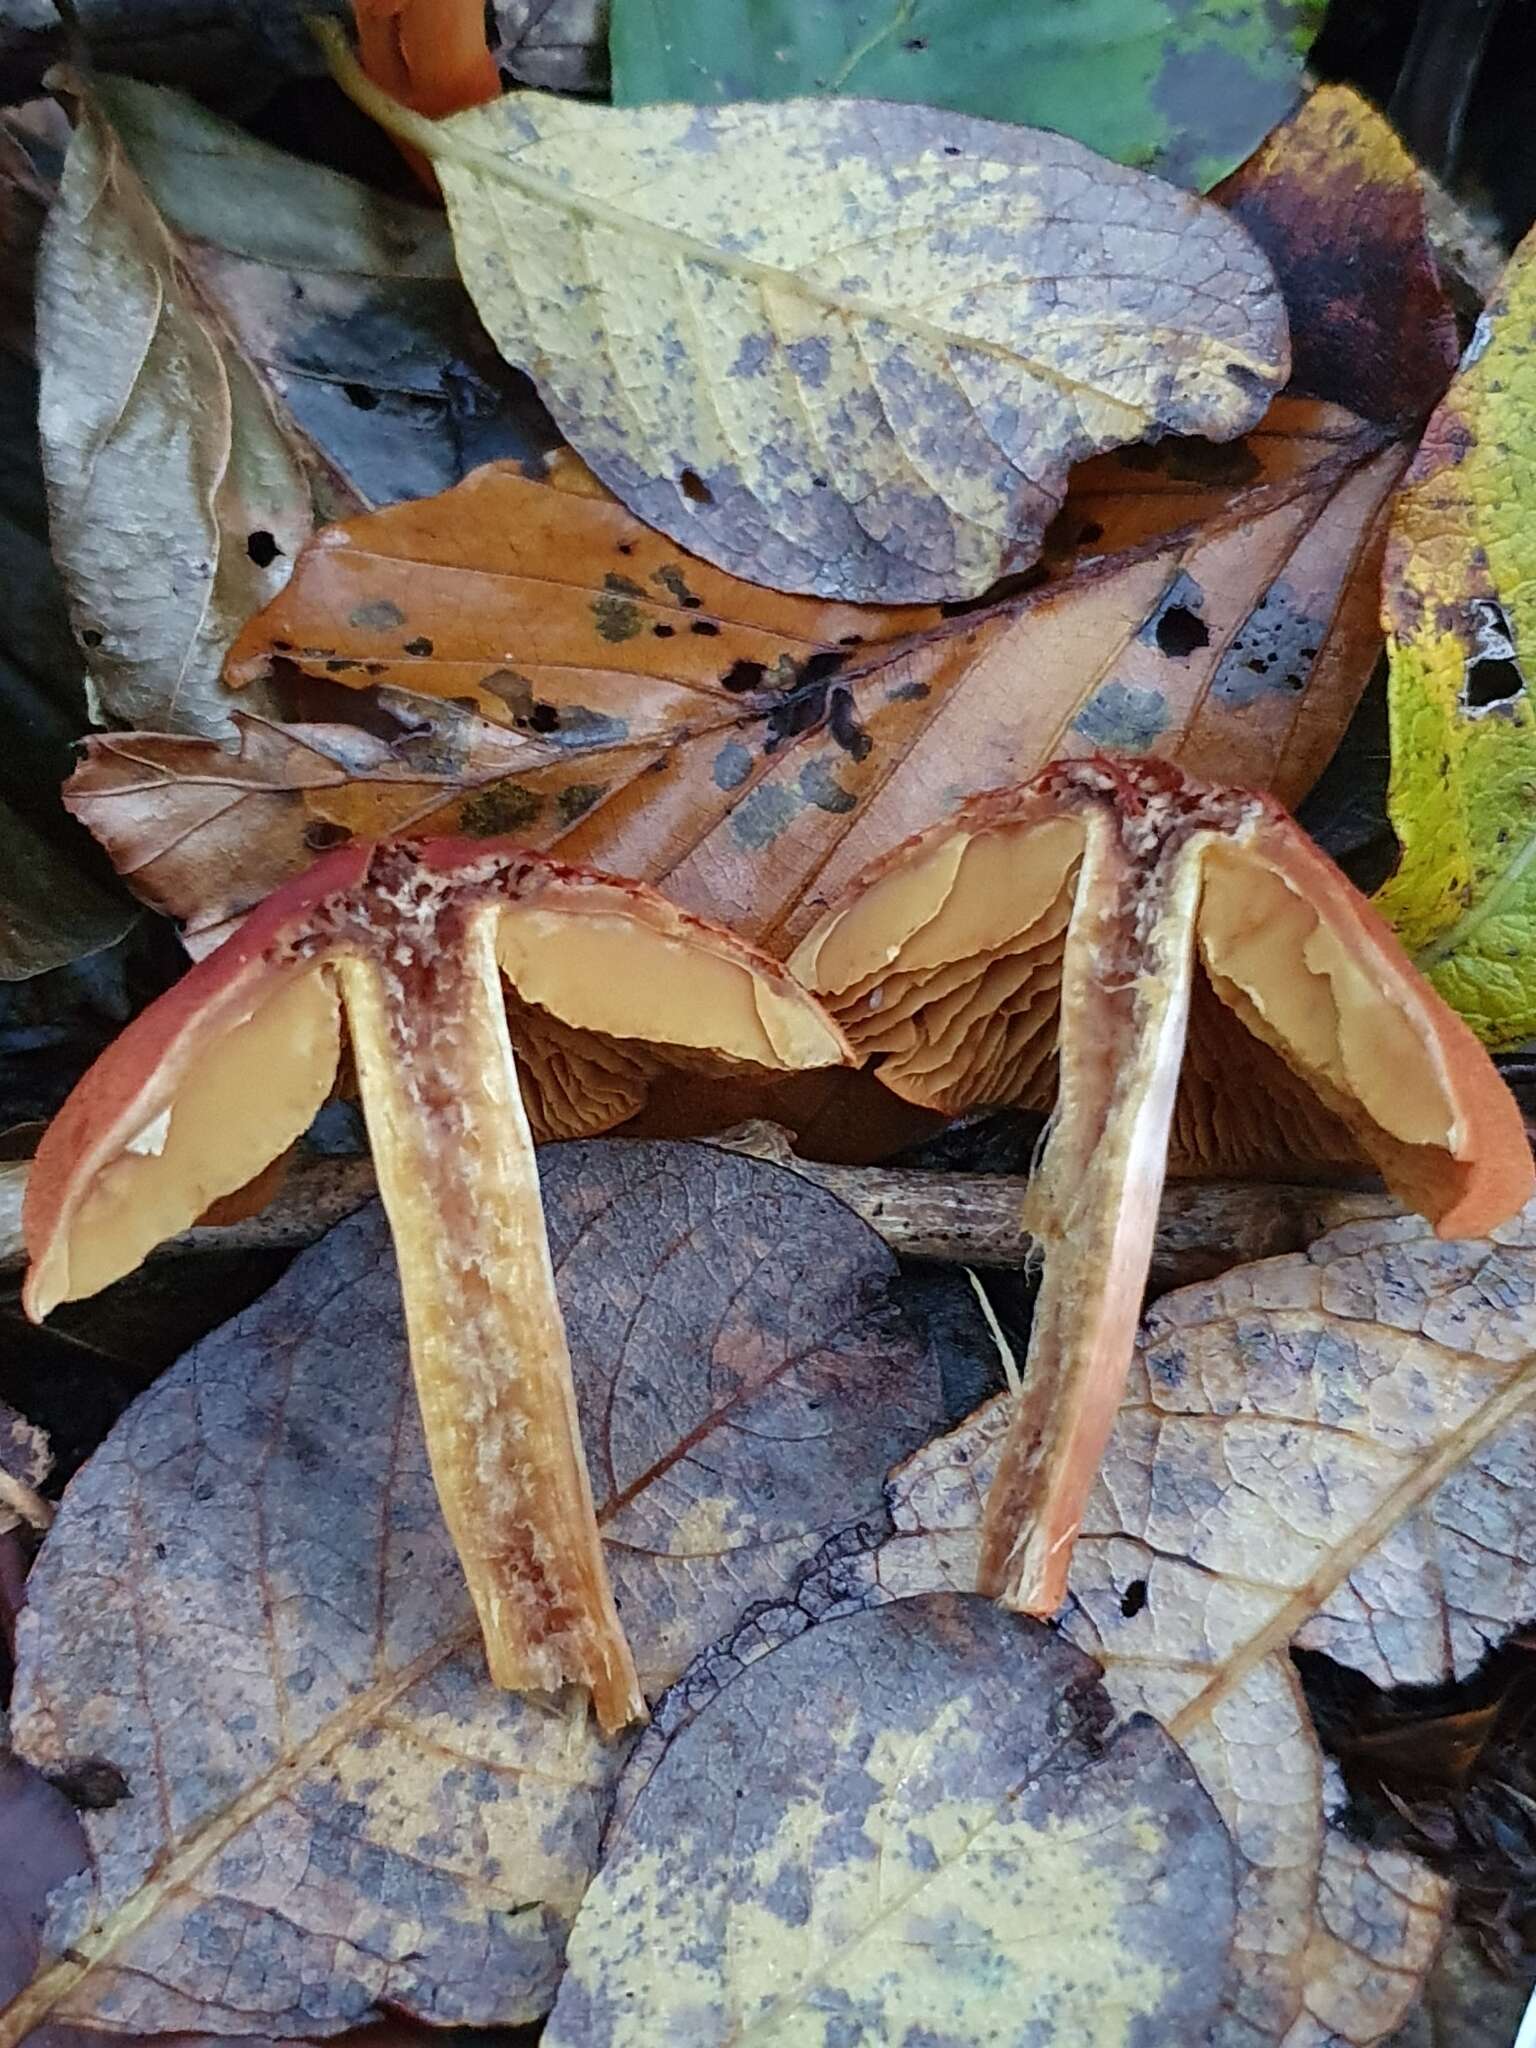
442,957
1044,947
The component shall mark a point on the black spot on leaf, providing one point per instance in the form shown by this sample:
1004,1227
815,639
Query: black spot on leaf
262,548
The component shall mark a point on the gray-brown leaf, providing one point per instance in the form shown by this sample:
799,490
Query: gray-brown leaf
249,1608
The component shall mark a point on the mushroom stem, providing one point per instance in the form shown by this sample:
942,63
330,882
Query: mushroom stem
1093,1206
456,1169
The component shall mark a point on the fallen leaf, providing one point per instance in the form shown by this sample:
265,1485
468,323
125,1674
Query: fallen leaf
1185,91
52,909
1328,1450
25,1462
556,45
869,386
729,743
908,1825
1460,613
347,302
163,455
248,1607
1466,2004
1337,204
42,1847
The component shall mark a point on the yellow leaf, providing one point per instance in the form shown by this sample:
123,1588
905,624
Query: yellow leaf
1460,613
841,346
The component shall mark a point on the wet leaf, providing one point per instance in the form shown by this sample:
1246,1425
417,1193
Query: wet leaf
1183,90
556,45
657,718
869,386
908,1825
1460,611
1329,1450
249,1610
162,451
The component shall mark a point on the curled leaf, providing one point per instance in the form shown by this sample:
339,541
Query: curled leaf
905,1826
161,447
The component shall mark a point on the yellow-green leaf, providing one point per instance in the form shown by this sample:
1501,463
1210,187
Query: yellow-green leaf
846,346
1460,613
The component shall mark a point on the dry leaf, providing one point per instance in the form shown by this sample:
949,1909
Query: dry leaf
163,453
249,1609
1329,1450
869,385
908,1826
729,743
348,303
1466,2004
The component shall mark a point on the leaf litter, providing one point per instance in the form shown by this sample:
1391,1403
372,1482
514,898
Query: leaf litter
557,670
1325,1451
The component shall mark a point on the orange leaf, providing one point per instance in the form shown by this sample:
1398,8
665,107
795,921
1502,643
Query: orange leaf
566,673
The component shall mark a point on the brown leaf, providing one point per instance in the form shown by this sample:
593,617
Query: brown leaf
557,45
1336,203
1331,1450
248,1607
908,1826
733,744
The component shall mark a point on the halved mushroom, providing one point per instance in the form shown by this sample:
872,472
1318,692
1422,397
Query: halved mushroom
1043,947
440,956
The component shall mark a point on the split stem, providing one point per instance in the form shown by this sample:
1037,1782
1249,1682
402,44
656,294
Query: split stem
457,1172
1093,1207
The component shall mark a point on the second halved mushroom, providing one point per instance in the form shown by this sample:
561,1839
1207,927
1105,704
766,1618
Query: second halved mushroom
443,957
1044,947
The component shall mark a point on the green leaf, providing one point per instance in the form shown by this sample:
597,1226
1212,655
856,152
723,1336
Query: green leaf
843,346
1186,90
1460,607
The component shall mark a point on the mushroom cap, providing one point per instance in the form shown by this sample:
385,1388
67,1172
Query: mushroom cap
606,983
943,960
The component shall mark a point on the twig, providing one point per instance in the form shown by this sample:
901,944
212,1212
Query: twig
958,1218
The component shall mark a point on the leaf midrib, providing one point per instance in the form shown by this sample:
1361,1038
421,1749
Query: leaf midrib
449,149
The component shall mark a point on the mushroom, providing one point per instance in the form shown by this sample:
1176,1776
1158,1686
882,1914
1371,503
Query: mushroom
1049,946
442,956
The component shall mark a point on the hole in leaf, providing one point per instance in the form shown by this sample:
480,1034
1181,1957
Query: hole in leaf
1133,1599
360,395
262,548
951,149
915,43
89,1783
320,835
1180,632
1493,674
694,488
1491,682
91,636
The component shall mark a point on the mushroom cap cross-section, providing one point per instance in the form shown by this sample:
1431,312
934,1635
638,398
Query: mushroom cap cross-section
490,995
1063,944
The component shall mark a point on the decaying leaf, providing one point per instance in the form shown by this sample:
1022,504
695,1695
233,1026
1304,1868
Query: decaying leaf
1466,2003
163,454
248,1606
557,45
1337,205
348,303
658,718
867,385
25,1462
1460,612
1330,1450
51,910
907,1825
1183,90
